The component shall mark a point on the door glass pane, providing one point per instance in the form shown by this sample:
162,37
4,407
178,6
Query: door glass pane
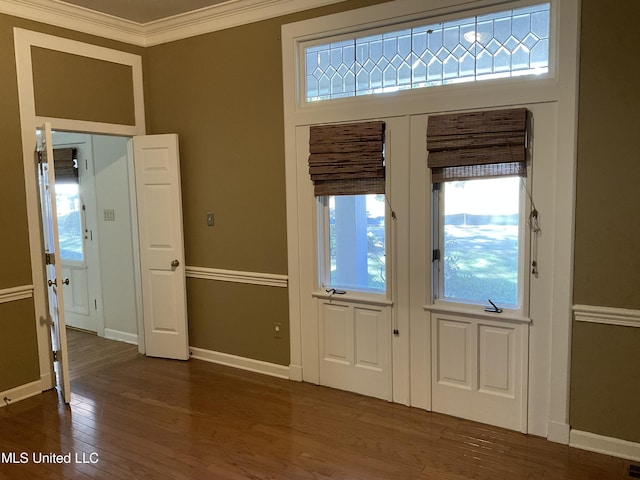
481,248
357,242
70,221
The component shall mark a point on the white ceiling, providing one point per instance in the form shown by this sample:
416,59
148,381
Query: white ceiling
145,11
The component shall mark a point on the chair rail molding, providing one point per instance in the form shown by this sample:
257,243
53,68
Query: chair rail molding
253,278
16,293
607,315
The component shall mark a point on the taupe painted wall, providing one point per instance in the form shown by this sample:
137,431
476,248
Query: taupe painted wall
605,371
18,344
81,88
222,93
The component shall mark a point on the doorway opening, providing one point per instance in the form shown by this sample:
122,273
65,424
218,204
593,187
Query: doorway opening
96,227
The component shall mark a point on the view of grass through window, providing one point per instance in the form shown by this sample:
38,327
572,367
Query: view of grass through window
480,251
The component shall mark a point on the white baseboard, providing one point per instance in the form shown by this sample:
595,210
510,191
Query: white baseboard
558,432
605,445
242,363
295,373
20,393
126,337
47,381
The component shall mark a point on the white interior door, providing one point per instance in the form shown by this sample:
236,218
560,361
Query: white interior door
77,226
159,199
55,280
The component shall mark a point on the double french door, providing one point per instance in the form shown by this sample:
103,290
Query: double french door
405,345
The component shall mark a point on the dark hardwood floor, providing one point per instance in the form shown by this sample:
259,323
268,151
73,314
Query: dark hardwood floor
147,418
89,352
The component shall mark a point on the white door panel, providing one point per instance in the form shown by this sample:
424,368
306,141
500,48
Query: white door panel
355,347
496,367
480,369
159,199
336,334
454,353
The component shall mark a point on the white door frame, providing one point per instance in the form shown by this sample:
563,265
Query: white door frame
23,41
549,356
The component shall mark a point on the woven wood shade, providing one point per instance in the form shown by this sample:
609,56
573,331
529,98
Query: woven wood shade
347,159
63,161
477,145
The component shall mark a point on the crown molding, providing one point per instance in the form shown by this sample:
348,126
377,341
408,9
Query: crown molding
229,14
59,14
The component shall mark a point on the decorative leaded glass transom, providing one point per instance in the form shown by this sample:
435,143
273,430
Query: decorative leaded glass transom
503,44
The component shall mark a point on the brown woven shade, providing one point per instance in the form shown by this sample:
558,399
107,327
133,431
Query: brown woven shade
477,145
64,164
347,159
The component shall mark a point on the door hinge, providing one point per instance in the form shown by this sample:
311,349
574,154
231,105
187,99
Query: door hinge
436,255
40,156
49,259
55,355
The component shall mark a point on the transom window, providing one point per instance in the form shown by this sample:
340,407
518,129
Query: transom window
502,44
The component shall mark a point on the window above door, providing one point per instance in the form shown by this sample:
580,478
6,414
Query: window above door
497,44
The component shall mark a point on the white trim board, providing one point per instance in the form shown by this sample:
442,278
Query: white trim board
23,41
21,392
607,315
550,338
125,337
205,20
16,293
605,445
243,363
253,278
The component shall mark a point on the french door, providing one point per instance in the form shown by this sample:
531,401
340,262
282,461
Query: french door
407,348
54,278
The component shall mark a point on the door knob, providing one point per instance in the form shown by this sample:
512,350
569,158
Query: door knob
175,263
55,282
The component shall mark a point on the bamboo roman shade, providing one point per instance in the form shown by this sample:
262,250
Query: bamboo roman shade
347,159
477,145
65,165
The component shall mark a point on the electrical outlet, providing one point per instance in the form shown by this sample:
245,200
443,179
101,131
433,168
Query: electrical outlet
277,330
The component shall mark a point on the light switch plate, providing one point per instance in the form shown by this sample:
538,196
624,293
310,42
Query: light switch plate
210,222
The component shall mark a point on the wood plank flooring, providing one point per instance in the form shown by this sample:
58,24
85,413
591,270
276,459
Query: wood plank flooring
148,418
89,352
